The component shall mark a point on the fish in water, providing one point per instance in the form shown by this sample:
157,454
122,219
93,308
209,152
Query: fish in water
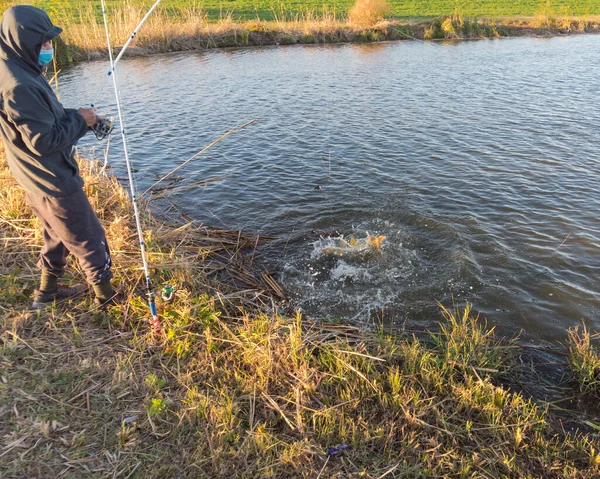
353,245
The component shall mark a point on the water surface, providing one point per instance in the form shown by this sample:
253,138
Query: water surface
478,160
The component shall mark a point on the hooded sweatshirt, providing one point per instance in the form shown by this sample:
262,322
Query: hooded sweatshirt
37,131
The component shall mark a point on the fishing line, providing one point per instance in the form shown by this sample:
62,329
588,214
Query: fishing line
416,39
150,292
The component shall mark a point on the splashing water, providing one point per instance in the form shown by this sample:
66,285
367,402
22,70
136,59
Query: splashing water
332,279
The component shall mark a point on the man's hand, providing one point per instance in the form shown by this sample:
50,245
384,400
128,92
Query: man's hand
89,115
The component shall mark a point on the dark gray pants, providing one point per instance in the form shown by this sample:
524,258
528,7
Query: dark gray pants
71,226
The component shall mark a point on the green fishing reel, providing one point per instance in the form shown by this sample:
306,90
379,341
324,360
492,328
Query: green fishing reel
103,128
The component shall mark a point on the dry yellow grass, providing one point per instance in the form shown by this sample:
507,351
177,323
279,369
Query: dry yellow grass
365,13
191,31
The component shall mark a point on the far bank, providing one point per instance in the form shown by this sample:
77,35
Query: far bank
85,40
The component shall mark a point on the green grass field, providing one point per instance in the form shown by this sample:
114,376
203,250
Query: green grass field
270,9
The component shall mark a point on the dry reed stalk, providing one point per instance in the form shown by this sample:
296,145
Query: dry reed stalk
201,152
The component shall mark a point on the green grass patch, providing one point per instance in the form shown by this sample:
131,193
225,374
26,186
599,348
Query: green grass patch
271,10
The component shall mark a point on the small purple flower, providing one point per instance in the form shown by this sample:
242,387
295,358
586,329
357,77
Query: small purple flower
334,451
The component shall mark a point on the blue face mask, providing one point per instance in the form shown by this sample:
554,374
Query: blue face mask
45,57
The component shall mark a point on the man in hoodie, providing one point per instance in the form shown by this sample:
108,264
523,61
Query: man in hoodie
39,136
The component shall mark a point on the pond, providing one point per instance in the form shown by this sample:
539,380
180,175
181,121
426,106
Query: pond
478,161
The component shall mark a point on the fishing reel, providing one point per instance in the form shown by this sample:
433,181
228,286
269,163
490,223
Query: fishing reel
103,128
168,294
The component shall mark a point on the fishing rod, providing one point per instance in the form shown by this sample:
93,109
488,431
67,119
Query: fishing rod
125,47
155,321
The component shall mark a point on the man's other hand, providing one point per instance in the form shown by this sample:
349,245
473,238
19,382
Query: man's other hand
89,115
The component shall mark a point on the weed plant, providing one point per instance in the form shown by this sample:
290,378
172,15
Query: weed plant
585,360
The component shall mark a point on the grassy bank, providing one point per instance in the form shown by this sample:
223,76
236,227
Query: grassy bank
190,25
236,390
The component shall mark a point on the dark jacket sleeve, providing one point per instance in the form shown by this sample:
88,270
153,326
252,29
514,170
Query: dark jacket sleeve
39,129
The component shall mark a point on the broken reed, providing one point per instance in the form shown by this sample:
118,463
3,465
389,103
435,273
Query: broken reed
236,389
